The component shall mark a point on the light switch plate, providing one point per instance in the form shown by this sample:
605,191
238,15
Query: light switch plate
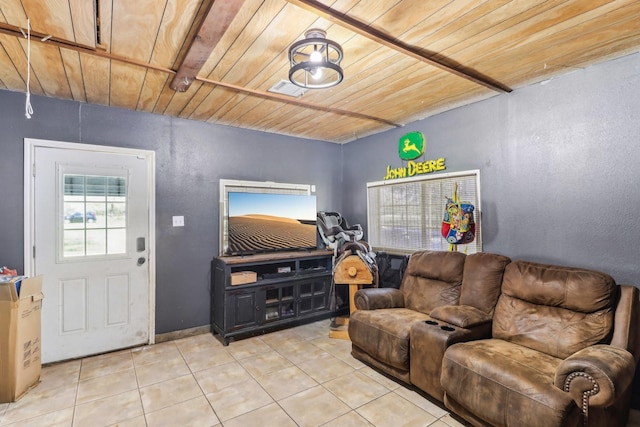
178,221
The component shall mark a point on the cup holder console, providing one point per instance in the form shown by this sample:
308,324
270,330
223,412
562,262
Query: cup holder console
443,327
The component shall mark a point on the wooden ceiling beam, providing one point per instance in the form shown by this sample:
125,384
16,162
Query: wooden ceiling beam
379,37
67,44
212,28
19,32
12,30
292,101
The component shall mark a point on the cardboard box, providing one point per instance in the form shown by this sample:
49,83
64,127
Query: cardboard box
243,277
20,343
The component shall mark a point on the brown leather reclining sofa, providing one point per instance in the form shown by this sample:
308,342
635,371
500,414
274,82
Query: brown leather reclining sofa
505,343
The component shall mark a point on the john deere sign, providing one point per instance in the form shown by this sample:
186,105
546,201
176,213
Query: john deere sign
410,147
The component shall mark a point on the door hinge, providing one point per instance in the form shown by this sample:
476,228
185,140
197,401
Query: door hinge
34,252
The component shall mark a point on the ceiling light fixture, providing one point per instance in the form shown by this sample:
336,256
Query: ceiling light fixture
315,61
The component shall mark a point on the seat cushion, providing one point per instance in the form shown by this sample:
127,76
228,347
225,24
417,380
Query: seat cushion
384,334
506,384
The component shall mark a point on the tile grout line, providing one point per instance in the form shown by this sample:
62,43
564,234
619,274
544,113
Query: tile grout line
135,373
310,340
75,400
254,378
199,386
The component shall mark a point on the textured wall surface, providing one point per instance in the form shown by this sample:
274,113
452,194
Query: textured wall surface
191,158
558,164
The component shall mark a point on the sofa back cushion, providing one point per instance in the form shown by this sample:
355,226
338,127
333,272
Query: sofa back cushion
553,309
482,280
432,279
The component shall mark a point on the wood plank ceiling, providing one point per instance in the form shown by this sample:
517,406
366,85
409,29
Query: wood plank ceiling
404,59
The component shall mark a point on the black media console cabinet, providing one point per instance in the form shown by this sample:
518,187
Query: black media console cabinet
292,288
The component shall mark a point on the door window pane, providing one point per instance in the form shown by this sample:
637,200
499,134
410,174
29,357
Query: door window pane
116,239
73,243
96,242
95,215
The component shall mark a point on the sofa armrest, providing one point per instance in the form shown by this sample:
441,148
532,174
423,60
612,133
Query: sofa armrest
596,376
463,316
626,318
375,298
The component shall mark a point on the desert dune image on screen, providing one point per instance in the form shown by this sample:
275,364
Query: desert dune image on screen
261,222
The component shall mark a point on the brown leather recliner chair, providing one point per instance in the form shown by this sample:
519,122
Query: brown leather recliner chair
379,329
444,298
562,352
470,320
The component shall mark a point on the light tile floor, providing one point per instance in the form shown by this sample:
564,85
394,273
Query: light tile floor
293,377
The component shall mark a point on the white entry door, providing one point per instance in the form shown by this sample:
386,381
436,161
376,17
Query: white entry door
91,213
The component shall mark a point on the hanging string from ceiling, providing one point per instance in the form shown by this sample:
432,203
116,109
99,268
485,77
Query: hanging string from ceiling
28,109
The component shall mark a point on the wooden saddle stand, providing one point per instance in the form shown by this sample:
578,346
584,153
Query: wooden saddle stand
354,268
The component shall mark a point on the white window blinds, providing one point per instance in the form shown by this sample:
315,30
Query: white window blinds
405,215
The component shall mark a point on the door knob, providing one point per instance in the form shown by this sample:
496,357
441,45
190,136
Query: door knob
141,260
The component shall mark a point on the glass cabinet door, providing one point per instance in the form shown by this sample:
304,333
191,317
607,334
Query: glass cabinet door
280,303
313,295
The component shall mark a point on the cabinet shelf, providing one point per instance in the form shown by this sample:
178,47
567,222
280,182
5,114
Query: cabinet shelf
283,279
291,288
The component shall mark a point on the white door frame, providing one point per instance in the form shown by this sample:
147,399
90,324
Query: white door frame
30,145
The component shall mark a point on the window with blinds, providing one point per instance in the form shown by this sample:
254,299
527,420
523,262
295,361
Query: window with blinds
236,186
405,215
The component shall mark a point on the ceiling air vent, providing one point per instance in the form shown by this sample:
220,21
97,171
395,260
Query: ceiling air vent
285,87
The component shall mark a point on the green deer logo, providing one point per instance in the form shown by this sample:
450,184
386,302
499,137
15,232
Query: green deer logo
411,146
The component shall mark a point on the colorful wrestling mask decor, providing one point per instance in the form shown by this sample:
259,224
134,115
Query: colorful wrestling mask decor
458,226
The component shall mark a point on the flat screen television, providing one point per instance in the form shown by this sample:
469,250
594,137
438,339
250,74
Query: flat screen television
268,222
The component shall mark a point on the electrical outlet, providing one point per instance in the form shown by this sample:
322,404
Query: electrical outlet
178,221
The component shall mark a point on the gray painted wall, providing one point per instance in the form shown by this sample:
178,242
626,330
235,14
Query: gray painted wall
558,165
191,158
